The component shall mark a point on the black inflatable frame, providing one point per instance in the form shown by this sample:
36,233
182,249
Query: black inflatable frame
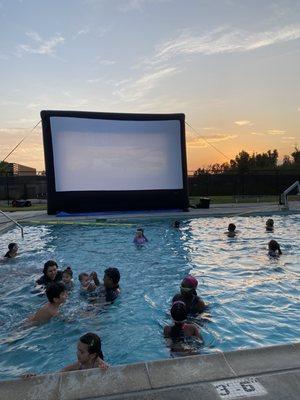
96,201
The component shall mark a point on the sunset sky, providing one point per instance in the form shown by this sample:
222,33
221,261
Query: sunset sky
232,66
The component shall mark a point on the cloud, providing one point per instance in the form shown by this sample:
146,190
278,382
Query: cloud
95,80
81,32
195,142
99,61
288,138
222,40
39,46
257,133
275,132
243,123
137,5
134,90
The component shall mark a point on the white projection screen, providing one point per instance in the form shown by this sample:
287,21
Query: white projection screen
105,161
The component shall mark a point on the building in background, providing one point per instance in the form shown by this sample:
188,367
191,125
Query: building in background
14,169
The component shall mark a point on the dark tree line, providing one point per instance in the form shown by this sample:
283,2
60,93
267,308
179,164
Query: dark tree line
245,163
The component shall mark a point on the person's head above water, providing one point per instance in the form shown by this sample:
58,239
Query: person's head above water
178,311
84,278
269,224
188,285
111,278
50,269
231,227
89,348
13,247
274,247
176,224
67,275
56,293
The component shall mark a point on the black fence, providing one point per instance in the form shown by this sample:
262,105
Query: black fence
251,184
23,187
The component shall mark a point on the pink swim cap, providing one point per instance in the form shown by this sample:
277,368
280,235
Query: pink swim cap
190,281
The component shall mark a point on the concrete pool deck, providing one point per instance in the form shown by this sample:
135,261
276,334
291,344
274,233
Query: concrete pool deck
268,373
230,210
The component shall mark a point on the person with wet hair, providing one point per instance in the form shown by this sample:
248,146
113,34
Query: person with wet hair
274,249
57,295
270,225
89,354
176,224
51,274
188,294
111,281
67,280
231,230
12,250
180,331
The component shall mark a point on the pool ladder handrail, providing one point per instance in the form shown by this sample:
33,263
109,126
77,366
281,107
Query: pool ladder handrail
283,196
15,222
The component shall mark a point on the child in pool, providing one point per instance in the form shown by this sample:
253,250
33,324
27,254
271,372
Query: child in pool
140,238
270,225
89,354
180,331
12,250
111,284
188,294
57,295
176,224
231,230
89,282
274,249
67,280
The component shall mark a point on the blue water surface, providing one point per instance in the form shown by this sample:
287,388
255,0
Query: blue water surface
253,300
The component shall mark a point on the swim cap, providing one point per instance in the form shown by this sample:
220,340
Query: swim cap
190,281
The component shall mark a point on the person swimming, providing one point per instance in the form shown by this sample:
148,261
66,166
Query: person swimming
231,230
51,274
89,354
139,237
111,281
274,249
57,295
270,225
188,294
176,224
12,250
180,331
67,280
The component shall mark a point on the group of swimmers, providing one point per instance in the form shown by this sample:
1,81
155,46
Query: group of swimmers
185,304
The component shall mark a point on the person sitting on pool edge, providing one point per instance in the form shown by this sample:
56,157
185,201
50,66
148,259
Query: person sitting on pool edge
89,354
139,237
274,249
231,230
181,330
57,295
12,250
188,294
270,225
50,274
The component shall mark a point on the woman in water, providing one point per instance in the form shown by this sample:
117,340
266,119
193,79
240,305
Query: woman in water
188,294
181,331
89,354
51,274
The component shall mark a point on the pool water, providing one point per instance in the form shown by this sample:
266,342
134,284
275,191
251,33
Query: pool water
253,300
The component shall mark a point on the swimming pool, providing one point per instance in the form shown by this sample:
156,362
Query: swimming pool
254,301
